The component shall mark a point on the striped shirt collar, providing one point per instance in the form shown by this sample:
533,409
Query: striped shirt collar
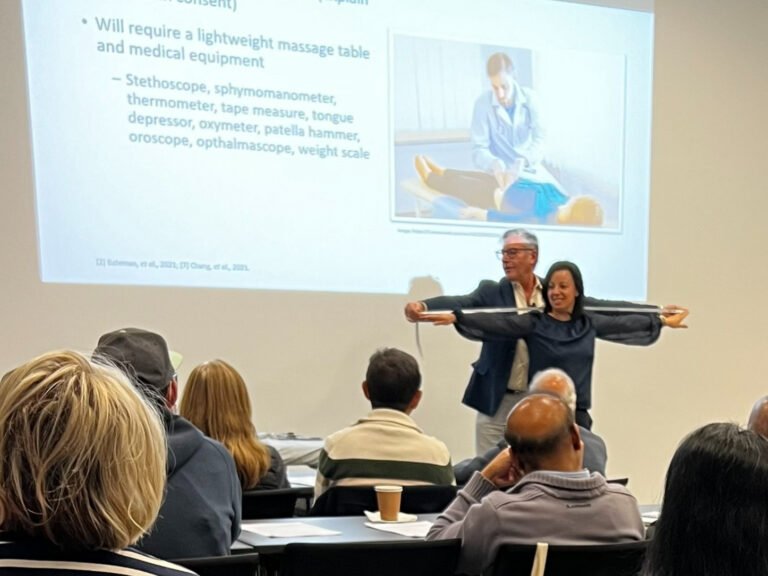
390,415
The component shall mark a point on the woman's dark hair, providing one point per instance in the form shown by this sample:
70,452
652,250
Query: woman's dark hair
578,306
714,519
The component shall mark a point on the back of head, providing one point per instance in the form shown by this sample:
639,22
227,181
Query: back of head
715,512
393,379
216,401
758,418
83,454
540,432
143,356
557,382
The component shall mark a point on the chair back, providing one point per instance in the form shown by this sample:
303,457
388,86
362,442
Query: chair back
353,500
623,480
624,559
262,504
235,565
411,558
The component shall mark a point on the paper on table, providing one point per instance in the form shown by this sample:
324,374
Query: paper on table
287,530
410,529
649,517
401,517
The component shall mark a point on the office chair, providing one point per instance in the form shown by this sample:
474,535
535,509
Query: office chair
624,559
414,558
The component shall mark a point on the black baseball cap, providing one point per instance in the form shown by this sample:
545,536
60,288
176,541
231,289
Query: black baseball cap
141,354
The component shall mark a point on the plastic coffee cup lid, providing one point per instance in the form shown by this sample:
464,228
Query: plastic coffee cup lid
383,488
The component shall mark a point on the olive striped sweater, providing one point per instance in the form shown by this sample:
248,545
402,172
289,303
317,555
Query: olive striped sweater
386,446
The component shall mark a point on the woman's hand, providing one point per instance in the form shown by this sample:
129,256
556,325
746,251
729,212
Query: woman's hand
438,319
674,320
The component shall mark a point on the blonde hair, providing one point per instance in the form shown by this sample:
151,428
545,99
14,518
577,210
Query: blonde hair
216,401
83,454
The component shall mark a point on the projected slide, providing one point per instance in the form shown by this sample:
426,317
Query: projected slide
331,145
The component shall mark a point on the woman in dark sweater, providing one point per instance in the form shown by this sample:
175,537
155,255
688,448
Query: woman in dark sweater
563,335
216,401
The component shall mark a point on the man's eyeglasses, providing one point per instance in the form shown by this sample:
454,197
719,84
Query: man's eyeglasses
511,252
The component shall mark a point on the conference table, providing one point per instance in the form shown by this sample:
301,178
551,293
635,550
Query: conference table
351,529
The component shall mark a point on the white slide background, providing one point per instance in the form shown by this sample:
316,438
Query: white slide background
195,213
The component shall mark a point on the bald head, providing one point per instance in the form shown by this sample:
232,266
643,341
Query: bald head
542,435
758,418
557,382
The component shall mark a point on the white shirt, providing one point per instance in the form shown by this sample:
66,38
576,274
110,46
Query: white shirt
518,377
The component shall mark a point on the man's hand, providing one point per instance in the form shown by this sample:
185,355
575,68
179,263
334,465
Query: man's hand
413,310
503,470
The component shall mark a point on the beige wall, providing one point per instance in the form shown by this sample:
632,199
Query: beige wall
305,354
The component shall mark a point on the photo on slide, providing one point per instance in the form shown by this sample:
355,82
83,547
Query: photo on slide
490,135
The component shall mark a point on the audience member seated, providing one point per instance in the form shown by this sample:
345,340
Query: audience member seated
200,515
82,472
386,446
714,519
551,498
551,381
216,401
758,418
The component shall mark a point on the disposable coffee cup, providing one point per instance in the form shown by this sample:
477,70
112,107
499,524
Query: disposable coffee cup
388,498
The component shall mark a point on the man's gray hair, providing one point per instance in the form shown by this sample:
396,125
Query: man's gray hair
529,237
550,373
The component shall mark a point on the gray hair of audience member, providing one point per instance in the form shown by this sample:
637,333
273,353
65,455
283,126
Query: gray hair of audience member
83,454
531,450
758,418
393,378
529,237
552,381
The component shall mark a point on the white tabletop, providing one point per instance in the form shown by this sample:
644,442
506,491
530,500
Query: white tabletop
351,529
294,449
